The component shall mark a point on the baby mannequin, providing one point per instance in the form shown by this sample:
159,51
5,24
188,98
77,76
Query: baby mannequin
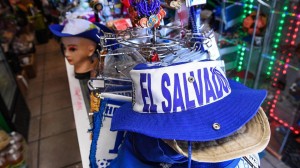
97,7
79,52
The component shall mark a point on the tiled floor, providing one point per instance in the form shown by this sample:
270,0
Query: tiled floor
52,136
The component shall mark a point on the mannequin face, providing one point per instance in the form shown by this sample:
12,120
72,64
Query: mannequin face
78,51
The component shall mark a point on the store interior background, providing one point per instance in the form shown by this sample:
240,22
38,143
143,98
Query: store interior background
40,107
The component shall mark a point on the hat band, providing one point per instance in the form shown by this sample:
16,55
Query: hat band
178,88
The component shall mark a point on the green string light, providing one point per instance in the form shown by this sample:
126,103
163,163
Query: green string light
281,21
276,41
247,9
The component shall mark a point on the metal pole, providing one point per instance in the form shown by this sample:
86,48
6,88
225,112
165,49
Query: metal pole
265,49
154,35
284,141
222,14
252,43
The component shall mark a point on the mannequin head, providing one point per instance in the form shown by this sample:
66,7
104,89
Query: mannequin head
79,42
79,51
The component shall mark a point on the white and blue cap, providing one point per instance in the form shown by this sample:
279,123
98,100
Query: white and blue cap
77,28
82,28
191,101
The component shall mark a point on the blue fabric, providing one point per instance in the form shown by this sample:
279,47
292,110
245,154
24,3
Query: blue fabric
190,154
154,150
231,113
97,121
127,159
140,151
96,128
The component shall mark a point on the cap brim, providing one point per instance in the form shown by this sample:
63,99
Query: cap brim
253,140
230,113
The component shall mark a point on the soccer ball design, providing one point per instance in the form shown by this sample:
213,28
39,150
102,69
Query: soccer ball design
249,23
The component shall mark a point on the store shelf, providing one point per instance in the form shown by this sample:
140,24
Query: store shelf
80,114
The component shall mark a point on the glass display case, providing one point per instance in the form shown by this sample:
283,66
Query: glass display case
15,114
7,84
262,51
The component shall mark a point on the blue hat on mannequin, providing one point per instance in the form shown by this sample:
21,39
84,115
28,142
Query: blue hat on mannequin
79,28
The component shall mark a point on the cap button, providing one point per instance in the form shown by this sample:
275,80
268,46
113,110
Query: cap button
191,79
216,126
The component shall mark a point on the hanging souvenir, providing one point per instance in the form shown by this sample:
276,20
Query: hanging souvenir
144,13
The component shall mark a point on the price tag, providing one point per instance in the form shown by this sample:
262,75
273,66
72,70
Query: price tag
98,83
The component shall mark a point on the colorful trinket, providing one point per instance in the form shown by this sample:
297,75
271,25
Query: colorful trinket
153,19
143,22
94,102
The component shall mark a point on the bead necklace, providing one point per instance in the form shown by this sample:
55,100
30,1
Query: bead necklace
146,9
146,13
